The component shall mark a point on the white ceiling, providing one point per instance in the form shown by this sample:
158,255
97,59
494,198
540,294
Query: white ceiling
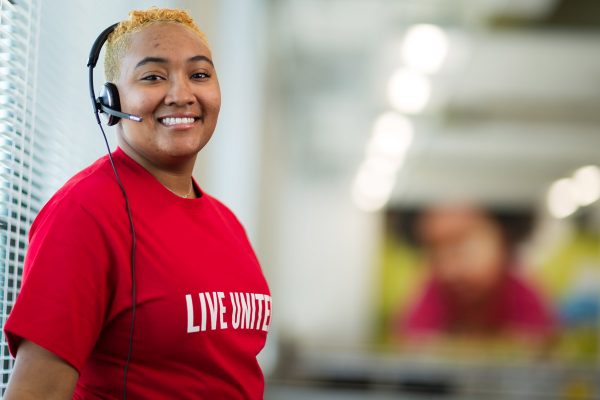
519,108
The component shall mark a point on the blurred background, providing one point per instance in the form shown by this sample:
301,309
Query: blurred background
420,180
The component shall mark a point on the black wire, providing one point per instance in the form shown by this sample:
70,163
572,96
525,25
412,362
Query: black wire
133,285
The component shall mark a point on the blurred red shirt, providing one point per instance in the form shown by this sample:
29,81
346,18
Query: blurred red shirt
514,307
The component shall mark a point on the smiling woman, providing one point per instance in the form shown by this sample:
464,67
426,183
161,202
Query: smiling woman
152,289
167,77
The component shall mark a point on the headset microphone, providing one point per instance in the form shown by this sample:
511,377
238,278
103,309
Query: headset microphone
118,114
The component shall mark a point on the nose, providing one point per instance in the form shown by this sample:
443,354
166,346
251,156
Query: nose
180,93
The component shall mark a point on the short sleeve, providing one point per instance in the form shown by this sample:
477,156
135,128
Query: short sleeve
65,290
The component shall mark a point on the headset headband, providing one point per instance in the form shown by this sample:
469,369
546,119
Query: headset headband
109,100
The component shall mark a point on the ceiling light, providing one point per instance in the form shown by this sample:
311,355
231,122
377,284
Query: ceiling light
409,91
425,48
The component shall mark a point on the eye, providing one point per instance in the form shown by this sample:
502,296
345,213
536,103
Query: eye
200,76
152,77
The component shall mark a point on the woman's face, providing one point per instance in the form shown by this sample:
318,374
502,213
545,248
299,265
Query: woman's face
167,77
466,251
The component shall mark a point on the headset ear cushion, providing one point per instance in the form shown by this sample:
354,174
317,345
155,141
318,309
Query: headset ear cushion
109,97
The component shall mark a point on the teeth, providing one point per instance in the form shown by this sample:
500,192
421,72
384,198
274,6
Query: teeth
175,121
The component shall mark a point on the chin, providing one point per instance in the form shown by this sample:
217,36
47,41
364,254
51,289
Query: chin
179,154
184,149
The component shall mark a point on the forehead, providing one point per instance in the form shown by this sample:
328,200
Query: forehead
446,223
166,37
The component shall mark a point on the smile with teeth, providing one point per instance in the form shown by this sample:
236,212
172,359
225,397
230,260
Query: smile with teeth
176,121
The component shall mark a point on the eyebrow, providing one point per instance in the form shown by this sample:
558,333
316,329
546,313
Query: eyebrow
160,60
201,58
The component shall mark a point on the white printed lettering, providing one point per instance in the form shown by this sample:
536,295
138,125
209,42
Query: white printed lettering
190,315
253,296
265,326
212,305
203,312
222,310
239,310
245,306
235,315
260,299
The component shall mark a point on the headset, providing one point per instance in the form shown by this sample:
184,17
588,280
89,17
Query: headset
110,104
109,101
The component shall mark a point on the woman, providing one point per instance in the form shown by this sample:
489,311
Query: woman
474,289
202,307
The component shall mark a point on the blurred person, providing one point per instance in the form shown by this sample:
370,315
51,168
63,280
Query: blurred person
473,289
203,305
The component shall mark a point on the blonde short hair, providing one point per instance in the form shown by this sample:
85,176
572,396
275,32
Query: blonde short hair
119,40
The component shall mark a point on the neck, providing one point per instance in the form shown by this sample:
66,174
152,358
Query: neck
176,177
179,184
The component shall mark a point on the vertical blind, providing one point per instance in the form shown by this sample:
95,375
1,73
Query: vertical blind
20,164
47,129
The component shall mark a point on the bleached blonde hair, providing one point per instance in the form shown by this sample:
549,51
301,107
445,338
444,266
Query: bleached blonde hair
119,40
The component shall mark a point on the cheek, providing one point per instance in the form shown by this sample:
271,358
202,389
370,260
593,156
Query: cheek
143,104
137,101
212,99
215,105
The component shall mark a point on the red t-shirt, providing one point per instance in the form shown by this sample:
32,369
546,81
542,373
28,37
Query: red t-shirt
516,308
203,305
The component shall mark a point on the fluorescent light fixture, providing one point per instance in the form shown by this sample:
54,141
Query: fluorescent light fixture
392,136
372,189
562,200
586,185
425,48
409,91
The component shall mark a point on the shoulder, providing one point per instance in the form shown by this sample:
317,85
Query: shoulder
219,206
226,215
526,302
89,192
428,313
90,185
522,292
